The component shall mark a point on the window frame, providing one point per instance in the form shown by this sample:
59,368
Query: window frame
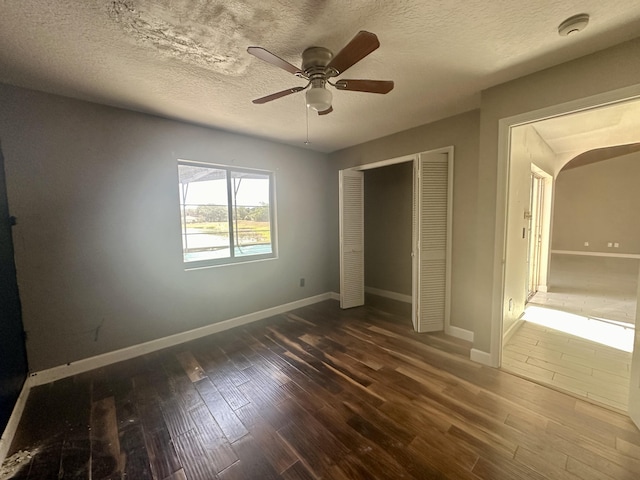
232,259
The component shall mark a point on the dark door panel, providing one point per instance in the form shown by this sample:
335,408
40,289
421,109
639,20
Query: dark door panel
13,359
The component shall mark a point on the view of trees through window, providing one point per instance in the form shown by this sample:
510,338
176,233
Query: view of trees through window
225,213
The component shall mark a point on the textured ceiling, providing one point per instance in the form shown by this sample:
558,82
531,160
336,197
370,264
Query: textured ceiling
187,59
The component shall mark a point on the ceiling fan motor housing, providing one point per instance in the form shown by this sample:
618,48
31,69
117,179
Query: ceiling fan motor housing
316,57
315,61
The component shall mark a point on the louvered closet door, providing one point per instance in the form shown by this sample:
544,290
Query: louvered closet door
351,238
433,229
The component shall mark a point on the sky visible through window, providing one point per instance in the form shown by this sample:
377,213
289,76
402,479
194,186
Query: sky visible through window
253,192
219,225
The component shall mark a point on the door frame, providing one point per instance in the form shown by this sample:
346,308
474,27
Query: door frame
534,247
415,158
544,220
502,189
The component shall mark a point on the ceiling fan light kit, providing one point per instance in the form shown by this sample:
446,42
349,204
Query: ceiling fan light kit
319,98
319,65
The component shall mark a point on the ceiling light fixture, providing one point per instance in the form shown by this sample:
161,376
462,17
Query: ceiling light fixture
573,24
319,98
320,65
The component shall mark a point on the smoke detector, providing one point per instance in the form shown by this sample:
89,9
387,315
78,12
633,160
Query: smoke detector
573,24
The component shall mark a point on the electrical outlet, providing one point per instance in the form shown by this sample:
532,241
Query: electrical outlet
586,244
609,244
302,282
616,245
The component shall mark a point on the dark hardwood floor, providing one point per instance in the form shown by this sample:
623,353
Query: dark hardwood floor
318,393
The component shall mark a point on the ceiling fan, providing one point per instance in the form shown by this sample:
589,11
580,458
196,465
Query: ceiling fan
319,65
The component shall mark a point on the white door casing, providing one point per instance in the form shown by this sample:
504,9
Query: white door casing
415,239
351,238
634,380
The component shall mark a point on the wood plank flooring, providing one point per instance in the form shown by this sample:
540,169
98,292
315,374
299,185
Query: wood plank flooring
318,393
570,363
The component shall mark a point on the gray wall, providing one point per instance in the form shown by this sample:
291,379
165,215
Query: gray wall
388,201
461,131
598,203
98,246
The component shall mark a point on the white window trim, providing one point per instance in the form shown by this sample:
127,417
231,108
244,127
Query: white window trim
224,262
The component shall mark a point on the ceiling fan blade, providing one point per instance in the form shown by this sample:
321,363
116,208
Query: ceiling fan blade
275,96
359,47
326,112
371,86
269,57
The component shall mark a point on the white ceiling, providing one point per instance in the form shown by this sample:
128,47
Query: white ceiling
187,59
607,126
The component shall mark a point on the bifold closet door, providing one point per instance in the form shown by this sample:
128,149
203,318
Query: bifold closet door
432,217
351,238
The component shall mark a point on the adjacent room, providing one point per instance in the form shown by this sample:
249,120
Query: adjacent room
293,240
582,267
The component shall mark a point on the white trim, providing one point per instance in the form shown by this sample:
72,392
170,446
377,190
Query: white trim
449,249
238,262
502,189
484,358
596,254
86,364
458,332
512,329
385,163
388,294
500,247
543,288
14,420
547,225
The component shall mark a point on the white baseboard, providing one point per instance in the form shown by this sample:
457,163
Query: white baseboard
387,294
86,364
479,356
14,419
596,254
458,332
512,329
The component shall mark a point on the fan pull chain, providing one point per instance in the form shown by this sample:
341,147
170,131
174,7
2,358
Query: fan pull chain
307,142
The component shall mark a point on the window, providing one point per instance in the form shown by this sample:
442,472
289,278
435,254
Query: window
226,214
